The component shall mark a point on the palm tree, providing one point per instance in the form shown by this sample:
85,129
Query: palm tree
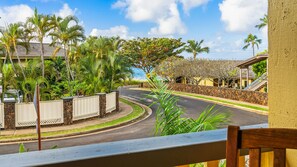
15,33
5,41
252,40
41,25
117,70
264,22
65,34
195,47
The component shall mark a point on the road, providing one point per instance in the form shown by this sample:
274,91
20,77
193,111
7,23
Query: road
144,128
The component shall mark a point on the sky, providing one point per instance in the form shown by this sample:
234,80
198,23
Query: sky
222,24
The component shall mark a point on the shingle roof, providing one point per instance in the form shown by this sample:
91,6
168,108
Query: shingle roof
34,51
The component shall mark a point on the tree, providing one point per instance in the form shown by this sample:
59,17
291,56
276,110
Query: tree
170,119
195,48
65,34
15,33
5,40
264,22
147,53
252,40
41,25
166,68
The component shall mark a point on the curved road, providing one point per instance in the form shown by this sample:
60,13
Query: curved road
144,128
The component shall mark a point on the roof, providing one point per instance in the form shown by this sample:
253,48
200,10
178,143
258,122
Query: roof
253,60
34,51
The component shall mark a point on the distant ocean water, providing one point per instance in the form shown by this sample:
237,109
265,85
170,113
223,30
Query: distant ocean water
138,74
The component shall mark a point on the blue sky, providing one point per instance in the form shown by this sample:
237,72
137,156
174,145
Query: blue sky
223,24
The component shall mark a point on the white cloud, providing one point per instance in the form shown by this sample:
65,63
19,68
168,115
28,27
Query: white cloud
16,13
119,4
164,14
66,11
242,15
189,4
170,24
121,31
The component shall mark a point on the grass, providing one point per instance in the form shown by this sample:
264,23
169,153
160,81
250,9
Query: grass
248,106
137,112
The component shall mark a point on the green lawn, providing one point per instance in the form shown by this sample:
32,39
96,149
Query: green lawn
137,112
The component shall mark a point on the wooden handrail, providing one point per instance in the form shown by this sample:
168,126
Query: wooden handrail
156,151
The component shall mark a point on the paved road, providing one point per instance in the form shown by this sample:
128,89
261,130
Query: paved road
144,128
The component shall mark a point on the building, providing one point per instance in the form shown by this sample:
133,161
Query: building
261,82
34,52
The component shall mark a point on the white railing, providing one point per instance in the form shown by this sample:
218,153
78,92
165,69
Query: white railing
110,102
85,107
51,112
1,115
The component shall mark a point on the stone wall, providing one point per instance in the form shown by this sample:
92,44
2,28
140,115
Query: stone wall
9,115
68,110
227,93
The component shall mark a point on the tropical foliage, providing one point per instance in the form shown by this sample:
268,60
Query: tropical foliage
195,47
147,53
264,22
170,119
86,67
252,40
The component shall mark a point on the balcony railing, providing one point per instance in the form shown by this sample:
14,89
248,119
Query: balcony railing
156,151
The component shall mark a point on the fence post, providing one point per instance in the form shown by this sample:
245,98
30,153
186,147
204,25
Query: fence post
102,104
117,100
68,110
9,114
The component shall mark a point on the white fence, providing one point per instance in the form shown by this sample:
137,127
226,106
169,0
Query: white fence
51,112
110,102
85,107
1,115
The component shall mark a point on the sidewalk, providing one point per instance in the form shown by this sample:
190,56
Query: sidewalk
125,110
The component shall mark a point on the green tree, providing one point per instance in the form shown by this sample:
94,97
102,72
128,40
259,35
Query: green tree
264,22
41,25
67,34
15,33
195,47
260,68
170,119
252,40
117,70
5,41
147,53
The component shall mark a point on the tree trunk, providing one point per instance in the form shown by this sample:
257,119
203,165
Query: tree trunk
68,68
253,50
19,61
10,58
42,56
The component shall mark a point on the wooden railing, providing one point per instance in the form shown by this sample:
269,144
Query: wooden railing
165,151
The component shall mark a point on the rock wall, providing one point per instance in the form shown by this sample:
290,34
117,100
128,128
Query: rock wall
227,93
